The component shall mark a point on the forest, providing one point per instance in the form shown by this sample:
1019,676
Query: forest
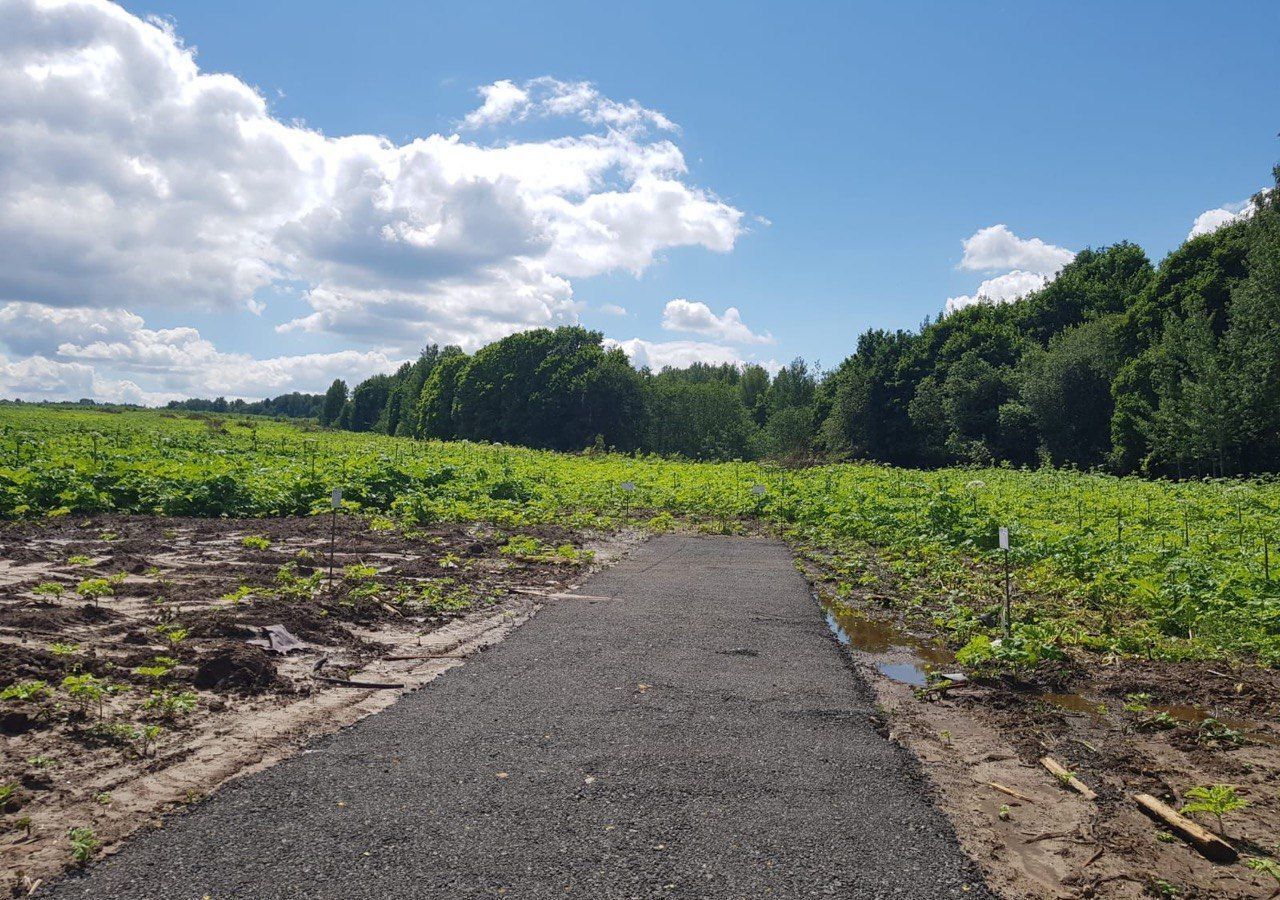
1117,364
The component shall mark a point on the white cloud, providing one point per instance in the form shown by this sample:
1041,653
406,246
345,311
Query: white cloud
505,101
1001,289
613,309
1212,219
502,100
696,317
106,354
996,247
129,177
658,355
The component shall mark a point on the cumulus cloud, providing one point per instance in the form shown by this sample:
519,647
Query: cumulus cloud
1001,289
1032,263
613,309
106,354
129,177
505,101
502,100
996,247
658,355
1212,219
696,317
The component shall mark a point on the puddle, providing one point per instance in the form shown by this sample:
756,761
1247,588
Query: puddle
1074,703
1185,713
1190,714
910,658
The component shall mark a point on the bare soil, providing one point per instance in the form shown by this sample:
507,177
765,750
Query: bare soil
1122,726
194,689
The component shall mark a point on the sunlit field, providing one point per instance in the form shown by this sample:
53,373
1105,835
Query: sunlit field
1103,564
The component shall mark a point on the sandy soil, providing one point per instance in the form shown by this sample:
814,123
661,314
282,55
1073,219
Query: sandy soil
1123,727
169,644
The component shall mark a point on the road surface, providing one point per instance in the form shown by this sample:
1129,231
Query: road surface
697,735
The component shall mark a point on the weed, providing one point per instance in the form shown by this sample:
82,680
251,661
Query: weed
103,798
84,844
149,735
171,705
86,690
57,648
94,589
79,560
255,542
28,691
241,593
1265,866
160,668
54,589
1217,800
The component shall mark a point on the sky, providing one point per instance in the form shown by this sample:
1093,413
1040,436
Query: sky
245,199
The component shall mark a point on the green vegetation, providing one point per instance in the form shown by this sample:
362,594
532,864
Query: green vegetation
1169,369
25,691
1216,800
1103,564
84,844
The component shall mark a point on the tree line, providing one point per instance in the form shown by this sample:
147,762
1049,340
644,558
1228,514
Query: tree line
1166,370
291,406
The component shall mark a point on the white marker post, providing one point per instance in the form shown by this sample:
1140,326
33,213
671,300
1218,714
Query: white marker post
628,487
335,501
1008,593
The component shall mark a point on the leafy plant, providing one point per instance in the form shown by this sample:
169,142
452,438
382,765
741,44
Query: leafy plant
255,542
171,704
149,735
1265,866
86,690
241,593
1216,800
54,589
84,844
27,691
58,648
94,589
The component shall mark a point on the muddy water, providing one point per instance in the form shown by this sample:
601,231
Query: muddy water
903,657
1185,713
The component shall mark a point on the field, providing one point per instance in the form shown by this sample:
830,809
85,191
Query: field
1111,565
142,548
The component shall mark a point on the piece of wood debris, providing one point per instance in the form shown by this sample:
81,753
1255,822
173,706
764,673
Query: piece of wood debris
368,685
1060,772
1208,843
1005,789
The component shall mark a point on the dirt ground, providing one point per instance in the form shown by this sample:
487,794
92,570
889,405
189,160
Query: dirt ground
137,671
1121,727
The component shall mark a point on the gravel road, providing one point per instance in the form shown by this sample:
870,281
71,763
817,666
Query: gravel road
697,735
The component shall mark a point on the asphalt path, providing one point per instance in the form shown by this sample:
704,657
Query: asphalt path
694,733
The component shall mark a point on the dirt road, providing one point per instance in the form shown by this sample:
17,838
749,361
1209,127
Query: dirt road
693,732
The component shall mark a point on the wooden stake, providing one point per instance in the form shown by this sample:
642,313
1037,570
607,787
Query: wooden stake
1208,843
1010,791
1059,771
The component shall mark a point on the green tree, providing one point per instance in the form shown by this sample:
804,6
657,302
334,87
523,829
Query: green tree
1067,387
435,404
334,399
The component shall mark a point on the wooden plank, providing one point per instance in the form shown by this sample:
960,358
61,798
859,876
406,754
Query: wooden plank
1010,791
1208,843
1059,771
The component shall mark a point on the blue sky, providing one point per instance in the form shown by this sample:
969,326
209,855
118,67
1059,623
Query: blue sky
862,143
